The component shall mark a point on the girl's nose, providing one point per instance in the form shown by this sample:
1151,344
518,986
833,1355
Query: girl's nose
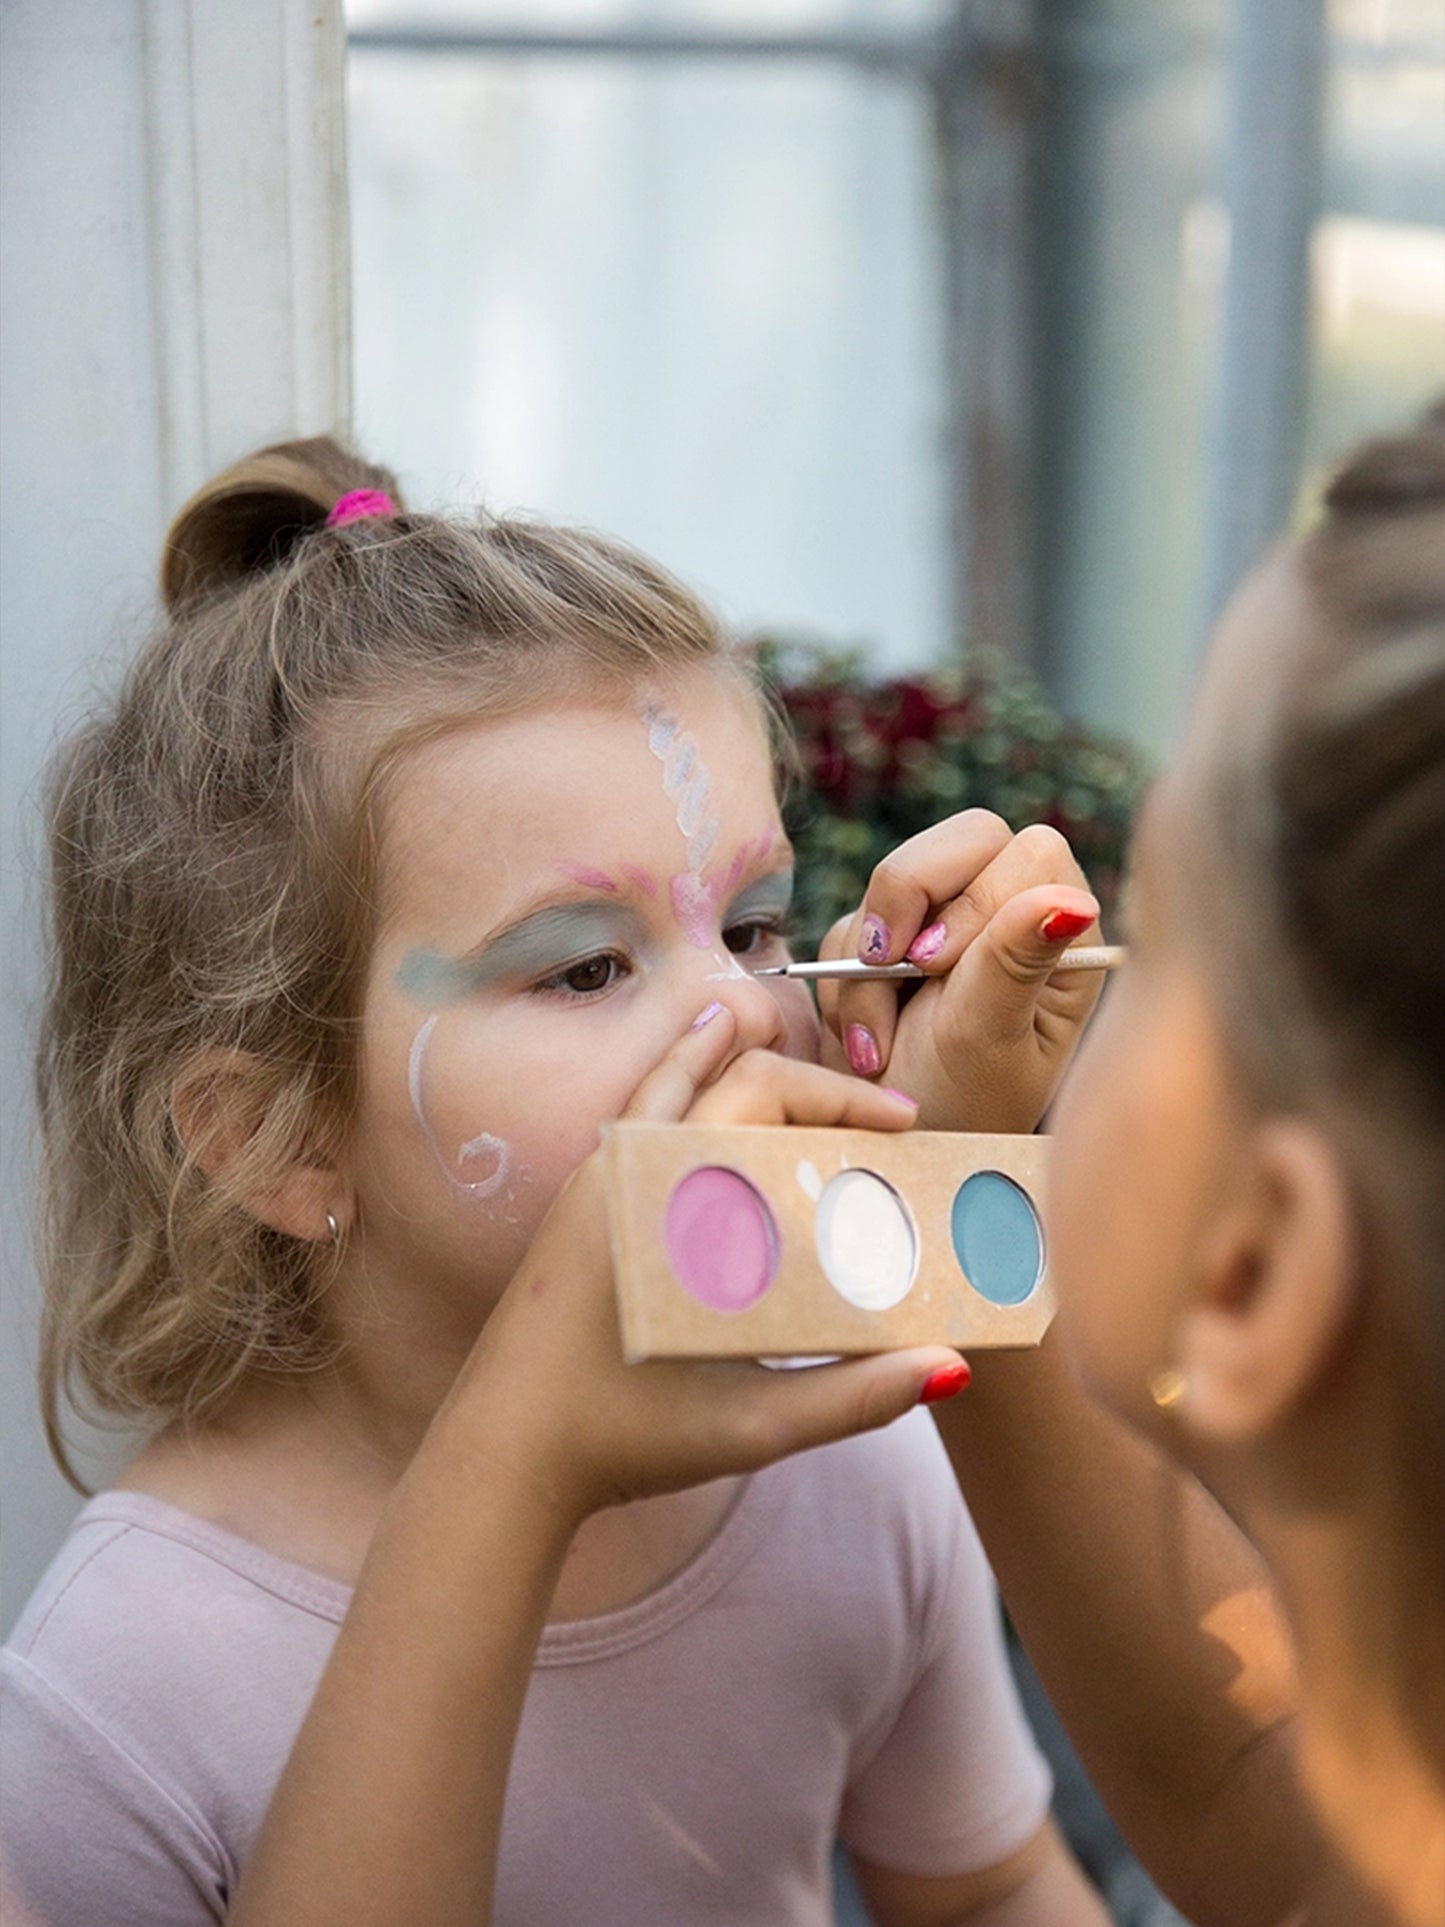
759,1017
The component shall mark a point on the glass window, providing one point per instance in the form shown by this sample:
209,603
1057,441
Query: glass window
700,303
693,303
1378,259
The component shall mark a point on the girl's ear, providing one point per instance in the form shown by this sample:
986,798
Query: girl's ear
221,1103
1275,1290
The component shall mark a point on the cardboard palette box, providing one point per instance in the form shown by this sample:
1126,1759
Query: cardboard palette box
738,1241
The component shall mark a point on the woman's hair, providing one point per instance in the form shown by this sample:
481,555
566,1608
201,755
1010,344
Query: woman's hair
1322,787
214,887
1323,808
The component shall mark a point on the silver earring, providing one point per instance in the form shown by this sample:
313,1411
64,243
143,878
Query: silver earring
334,1228
1168,1388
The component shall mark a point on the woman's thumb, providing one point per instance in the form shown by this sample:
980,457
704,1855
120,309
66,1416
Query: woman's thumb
1017,952
816,1404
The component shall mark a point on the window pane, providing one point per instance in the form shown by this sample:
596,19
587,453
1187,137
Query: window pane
1378,257
690,303
1131,252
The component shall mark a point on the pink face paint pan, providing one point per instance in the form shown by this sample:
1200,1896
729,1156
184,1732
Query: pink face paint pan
742,1241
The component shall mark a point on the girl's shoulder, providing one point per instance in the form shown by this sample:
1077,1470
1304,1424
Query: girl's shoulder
130,1554
150,1692
141,1592
880,1517
899,1480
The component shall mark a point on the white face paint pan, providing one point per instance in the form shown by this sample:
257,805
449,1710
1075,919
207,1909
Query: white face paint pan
744,1241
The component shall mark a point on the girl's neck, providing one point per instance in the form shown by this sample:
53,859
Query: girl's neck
304,1468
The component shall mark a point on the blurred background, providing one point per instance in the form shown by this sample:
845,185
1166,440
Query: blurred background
986,342
904,322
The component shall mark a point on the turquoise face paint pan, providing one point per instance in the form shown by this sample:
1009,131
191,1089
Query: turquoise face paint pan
748,1241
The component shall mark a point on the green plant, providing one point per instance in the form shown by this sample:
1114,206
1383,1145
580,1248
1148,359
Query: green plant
880,760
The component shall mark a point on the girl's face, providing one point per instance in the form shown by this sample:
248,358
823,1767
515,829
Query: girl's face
564,893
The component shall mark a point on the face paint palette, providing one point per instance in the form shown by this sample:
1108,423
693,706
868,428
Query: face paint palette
749,1241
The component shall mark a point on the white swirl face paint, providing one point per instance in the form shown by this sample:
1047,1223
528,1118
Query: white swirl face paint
686,783
483,1152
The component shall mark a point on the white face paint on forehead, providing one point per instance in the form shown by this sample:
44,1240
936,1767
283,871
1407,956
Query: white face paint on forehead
686,783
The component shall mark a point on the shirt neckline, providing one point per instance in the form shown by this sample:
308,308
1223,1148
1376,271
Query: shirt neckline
567,1642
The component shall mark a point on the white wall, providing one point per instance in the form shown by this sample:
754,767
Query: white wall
173,290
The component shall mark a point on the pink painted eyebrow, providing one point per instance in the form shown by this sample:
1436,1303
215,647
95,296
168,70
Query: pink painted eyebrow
593,879
756,850
589,878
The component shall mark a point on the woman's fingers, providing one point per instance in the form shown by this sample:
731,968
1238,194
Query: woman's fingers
928,870
998,979
713,1074
983,1048
764,1415
966,870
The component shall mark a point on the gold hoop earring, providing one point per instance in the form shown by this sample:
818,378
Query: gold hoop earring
1168,1388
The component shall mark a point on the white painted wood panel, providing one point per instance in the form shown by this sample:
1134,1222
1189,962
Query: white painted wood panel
174,291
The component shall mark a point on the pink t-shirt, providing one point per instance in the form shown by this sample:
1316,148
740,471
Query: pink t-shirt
829,1664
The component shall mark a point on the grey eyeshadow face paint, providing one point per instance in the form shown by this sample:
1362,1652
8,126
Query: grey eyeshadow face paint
547,941
769,897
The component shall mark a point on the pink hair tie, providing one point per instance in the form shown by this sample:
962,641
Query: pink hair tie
358,505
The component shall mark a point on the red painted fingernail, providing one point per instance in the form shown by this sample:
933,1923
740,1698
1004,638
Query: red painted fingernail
1060,925
873,944
944,1383
863,1052
927,944
706,1015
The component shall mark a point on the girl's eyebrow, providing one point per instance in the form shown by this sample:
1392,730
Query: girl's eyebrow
590,878
544,939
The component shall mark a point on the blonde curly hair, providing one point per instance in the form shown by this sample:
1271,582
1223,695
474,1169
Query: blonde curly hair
212,886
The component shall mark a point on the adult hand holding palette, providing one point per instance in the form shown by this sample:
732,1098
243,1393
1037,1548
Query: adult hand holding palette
743,1241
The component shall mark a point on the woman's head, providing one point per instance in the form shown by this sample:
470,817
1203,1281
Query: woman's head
221,878
1252,1157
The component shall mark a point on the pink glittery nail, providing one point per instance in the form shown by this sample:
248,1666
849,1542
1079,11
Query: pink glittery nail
863,1052
927,944
706,1015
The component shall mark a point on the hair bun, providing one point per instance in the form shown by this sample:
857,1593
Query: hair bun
1394,472
248,518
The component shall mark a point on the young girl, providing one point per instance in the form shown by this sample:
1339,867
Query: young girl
412,851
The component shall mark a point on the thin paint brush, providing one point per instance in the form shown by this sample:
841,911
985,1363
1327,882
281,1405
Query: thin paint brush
1107,956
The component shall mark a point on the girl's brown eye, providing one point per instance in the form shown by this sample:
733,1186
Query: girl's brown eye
740,938
593,973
